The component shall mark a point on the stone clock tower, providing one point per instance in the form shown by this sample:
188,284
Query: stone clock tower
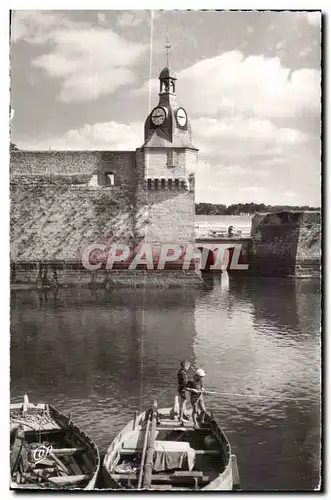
169,158
167,125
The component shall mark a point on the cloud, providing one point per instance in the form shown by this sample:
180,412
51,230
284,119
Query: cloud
131,18
88,60
290,194
245,141
101,17
257,85
99,136
245,171
230,84
234,171
78,58
37,26
251,189
240,128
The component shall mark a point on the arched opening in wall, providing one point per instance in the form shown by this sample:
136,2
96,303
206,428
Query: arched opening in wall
107,179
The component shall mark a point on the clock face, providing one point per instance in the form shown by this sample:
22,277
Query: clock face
181,117
158,116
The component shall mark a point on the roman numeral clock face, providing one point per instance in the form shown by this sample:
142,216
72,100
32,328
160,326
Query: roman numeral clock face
158,116
181,117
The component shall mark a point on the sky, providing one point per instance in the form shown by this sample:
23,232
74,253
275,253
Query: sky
250,82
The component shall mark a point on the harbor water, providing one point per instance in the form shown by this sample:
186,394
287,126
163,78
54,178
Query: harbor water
103,355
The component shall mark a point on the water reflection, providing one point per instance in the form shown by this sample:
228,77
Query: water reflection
258,339
103,355
100,355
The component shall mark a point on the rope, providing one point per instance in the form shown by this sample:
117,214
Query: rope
258,396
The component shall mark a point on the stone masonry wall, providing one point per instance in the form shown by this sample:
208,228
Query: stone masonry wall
70,162
57,222
308,258
171,216
56,212
169,210
286,244
156,164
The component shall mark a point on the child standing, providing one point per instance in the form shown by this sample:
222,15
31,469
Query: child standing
182,382
195,387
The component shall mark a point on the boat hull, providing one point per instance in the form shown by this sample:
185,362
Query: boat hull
226,480
56,422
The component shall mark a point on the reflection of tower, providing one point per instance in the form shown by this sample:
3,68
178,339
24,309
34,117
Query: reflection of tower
166,326
223,332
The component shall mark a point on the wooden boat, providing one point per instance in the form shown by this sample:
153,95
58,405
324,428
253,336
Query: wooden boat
48,451
156,452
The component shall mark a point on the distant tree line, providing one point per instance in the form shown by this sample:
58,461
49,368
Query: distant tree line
246,208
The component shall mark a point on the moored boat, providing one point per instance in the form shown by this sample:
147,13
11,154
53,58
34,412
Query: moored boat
48,451
156,452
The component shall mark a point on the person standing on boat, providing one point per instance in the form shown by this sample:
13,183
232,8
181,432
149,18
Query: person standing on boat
195,387
182,382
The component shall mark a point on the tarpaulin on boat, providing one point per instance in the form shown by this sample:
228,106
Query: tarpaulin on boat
171,455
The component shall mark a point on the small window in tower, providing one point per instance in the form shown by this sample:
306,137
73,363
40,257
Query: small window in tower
177,183
156,185
169,183
162,183
149,184
111,178
107,179
172,159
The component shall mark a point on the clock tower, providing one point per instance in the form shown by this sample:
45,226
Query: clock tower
169,159
168,125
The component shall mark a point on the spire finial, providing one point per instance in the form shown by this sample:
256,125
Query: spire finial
167,46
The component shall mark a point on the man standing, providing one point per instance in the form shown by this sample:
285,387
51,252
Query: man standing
195,387
182,382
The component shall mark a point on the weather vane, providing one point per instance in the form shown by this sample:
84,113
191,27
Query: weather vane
167,46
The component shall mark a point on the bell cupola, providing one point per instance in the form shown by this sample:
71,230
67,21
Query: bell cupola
167,82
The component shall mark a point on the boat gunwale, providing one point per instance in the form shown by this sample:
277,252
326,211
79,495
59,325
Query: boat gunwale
139,420
65,422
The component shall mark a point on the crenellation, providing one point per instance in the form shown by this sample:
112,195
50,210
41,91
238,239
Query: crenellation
161,184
